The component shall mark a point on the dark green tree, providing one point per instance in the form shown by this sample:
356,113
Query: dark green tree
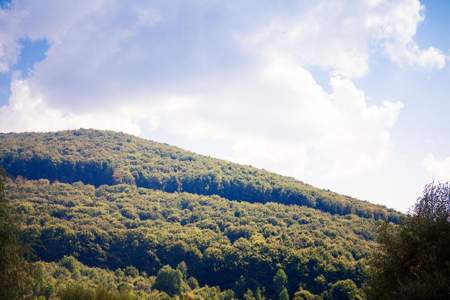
344,290
413,260
170,281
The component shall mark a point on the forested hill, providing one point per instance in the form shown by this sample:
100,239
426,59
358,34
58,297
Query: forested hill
232,245
105,157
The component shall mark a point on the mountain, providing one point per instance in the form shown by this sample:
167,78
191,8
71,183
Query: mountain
112,210
105,157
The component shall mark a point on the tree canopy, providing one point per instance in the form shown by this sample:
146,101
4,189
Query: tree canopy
14,271
235,246
413,260
105,157
111,216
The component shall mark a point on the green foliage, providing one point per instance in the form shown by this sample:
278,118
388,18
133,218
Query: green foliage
259,294
311,247
283,295
70,278
14,272
170,281
279,282
302,294
105,157
60,280
81,292
413,259
344,290
162,219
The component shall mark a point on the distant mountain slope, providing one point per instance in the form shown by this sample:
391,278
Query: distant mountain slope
106,157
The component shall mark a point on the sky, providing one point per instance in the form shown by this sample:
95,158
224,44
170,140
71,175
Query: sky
350,96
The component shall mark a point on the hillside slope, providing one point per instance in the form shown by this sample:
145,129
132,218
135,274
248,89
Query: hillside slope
105,157
230,244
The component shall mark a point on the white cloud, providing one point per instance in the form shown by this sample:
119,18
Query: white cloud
437,169
394,24
134,50
278,118
284,157
29,112
328,35
9,48
113,66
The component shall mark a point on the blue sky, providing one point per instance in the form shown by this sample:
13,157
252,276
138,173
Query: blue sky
31,52
346,95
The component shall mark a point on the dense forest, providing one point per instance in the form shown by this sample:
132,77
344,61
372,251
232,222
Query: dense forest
240,248
105,157
99,215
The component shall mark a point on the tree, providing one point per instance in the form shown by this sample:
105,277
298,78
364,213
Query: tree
302,294
80,291
413,259
279,282
259,294
86,222
170,281
183,268
284,295
344,290
249,295
14,273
